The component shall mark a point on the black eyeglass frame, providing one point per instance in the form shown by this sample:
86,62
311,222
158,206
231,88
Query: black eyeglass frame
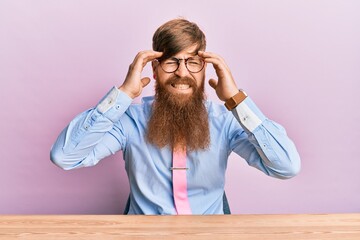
178,64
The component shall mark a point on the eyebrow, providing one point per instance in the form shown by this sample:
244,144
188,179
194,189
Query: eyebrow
177,59
174,58
192,54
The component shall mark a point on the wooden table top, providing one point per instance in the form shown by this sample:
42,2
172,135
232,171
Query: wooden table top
250,227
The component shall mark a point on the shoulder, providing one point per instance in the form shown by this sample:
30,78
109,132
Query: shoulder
216,109
218,115
142,108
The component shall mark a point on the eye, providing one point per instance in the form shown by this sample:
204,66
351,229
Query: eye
194,62
170,62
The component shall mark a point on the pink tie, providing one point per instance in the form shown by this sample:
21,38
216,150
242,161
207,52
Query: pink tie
179,183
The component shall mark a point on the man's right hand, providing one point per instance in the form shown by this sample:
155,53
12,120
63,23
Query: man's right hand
134,84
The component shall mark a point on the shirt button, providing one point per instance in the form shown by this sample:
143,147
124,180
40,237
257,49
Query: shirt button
117,107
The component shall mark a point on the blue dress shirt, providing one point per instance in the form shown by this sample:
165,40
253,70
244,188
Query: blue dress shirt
116,124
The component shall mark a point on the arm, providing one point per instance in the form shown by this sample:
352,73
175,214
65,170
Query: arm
260,141
97,133
268,148
92,135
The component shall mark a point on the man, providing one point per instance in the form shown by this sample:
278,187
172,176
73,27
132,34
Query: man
176,144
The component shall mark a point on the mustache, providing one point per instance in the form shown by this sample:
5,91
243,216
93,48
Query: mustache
182,80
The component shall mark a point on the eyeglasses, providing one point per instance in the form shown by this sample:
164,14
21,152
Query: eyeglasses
193,64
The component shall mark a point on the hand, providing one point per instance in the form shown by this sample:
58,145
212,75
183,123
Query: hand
134,84
225,87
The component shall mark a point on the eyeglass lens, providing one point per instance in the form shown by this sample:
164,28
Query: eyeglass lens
193,64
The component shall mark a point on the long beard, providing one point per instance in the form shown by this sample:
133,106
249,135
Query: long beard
179,121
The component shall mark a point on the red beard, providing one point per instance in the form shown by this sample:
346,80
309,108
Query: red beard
179,120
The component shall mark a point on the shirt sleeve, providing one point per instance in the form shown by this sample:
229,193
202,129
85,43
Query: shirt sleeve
92,135
263,143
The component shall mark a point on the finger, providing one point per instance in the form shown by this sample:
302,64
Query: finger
213,83
149,55
217,61
210,55
142,58
221,69
201,53
145,81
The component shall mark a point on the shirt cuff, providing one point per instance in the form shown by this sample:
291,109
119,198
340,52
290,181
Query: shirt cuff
248,114
114,104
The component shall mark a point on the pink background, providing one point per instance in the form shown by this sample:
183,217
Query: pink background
299,60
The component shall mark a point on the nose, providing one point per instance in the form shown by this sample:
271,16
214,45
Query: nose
182,70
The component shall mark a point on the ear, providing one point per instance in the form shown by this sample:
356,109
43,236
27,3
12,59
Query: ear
204,69
154,65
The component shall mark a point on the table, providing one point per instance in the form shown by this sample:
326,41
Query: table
250,227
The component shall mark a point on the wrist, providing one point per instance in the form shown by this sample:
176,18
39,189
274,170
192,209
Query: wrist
231,93
129,93
235,100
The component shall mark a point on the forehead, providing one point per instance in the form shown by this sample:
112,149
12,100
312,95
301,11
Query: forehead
187,52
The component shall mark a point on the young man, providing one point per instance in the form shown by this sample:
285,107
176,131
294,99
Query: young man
176,144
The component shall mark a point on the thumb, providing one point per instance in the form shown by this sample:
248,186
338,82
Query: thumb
145,81
213,83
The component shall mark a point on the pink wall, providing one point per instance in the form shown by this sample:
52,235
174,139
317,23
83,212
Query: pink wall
299,60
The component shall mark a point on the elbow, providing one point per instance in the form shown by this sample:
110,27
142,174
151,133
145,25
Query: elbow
57,157
295,164
293,171
60,159
290,169
289,163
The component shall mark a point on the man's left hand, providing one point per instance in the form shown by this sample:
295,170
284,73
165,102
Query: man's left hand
225,87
